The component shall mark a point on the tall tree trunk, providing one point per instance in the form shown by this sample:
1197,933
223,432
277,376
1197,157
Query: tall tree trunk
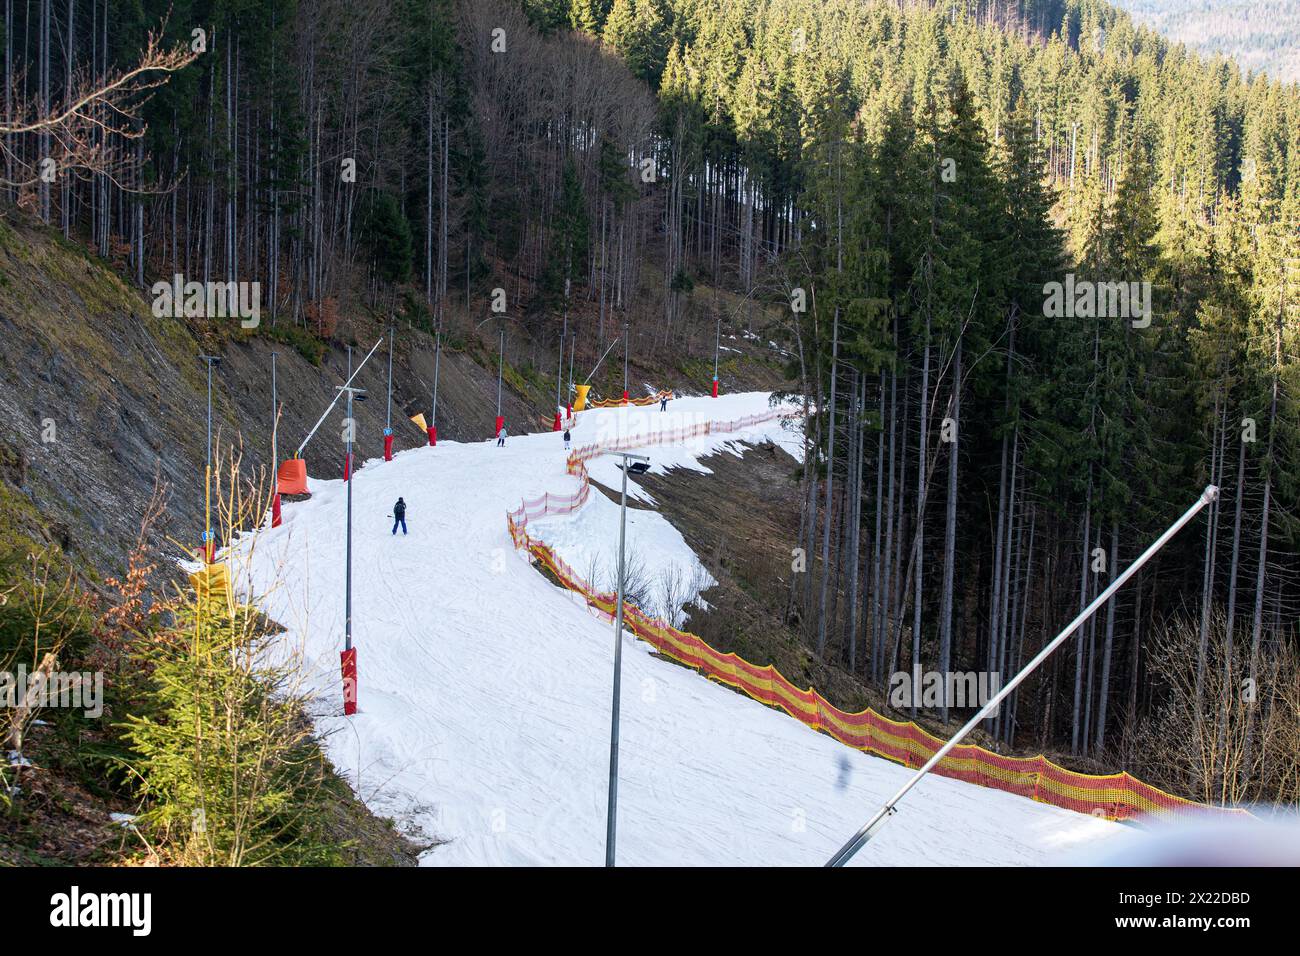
950,533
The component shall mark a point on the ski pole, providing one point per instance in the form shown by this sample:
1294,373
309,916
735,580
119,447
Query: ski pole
860,838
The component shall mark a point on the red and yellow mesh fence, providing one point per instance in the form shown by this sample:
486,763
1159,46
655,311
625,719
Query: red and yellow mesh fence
654,399
1117,796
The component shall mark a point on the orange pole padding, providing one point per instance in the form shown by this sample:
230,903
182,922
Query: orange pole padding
292,477
211,582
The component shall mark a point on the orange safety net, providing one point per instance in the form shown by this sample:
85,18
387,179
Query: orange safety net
1117,796
654,399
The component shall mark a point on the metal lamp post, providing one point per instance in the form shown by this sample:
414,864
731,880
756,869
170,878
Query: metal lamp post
433,411
559,367
625,338
275,449
209,543
349,658
638,465
717,347
501,366
573,345
388,414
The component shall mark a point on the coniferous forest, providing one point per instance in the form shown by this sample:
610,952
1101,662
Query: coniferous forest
1037,271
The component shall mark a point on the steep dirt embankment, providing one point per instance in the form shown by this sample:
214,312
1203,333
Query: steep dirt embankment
97,396
743,522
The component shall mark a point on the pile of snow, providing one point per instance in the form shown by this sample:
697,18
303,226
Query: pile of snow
485,690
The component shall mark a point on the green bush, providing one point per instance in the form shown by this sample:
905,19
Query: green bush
227,765
300,338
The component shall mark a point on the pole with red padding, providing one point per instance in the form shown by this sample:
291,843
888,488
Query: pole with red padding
433,412
349,655
717,347
275,452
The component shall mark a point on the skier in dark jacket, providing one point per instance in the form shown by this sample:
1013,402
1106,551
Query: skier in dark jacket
663,403
566,439
399,516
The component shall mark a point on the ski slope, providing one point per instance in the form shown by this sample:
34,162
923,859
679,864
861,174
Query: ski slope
484,690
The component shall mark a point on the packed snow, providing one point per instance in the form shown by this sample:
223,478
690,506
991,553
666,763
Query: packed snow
484,690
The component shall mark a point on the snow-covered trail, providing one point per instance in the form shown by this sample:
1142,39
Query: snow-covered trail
484,690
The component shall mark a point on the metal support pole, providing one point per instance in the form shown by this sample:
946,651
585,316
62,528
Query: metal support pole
501,366
602,359
559,369
211,360
351,376
573,346
860,838
209,547
717,346
275,419
437,355
611,819
347,613
388,415
359,394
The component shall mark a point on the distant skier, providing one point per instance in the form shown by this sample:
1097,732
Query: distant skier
399,516
663,403
566,439
501,436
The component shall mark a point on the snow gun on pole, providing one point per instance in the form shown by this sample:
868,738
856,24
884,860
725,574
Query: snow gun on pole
873,826
321,421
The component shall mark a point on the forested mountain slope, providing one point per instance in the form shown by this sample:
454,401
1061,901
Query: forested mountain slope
1260,35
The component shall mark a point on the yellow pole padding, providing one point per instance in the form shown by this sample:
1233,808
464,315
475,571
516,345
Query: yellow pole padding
580,402
211,582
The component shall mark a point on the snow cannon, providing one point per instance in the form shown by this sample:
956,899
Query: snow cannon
388,444
292,477
581,401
